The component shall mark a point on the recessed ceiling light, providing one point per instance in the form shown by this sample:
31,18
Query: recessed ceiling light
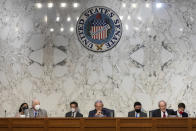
134,5
63,5
50,5
38,5
158,5
71,29
57,18
75,5
68,19
51,29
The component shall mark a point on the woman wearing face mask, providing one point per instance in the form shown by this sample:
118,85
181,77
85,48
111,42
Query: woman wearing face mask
22,109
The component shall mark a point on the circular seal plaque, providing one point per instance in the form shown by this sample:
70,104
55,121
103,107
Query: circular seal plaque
99,29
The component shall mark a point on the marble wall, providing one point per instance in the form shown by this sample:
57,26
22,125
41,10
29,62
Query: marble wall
41,57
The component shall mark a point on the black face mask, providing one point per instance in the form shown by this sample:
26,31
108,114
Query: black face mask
138,110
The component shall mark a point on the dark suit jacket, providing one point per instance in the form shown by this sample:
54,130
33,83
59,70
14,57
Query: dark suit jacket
157,112
184,114
132,114
78,114
104,112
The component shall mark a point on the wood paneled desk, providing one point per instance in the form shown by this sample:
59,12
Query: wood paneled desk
97,124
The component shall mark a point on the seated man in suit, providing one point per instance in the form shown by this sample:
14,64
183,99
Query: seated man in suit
162,112
35,111
99,111
180,112
137,111
74,110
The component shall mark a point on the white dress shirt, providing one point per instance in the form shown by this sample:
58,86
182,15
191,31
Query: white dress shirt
166,114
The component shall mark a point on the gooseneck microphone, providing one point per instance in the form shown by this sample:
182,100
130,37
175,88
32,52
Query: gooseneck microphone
5,113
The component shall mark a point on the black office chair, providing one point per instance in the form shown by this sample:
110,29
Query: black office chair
112,114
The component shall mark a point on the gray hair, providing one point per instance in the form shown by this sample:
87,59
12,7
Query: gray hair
98,101
162,101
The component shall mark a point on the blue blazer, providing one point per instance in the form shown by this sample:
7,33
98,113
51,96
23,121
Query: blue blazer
104,112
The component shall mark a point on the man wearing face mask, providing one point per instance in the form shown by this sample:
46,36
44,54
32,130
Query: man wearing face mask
180,112
137,111
35,111
74,110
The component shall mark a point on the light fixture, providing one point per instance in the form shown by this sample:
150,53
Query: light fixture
128,17
38,5
50,5
46,18
124,5
139,18
61,29
181,29
75,5
134,5
51,30
158,5
63,5
57,19
147,5
68,19
71,29
126,27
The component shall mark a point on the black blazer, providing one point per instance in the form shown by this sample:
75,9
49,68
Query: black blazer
78,114
132,114
184,114
157,112
105,112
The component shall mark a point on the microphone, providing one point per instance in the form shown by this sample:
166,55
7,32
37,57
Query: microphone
5,113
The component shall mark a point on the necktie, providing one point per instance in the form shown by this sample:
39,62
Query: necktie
36,114
72,114
136,115
164,116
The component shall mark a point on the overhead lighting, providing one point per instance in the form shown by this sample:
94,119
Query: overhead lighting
181,29
68,19
147,5
134,5
124,5
61,29
75,5
63,5
46,18
38,5
126,27
50,5
51,30
158,5
57,19
139,18
129,17
71,29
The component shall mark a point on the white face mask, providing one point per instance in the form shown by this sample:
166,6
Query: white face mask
73,109
37,107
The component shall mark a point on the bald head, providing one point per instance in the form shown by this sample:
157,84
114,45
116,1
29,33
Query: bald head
162,105
35,102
